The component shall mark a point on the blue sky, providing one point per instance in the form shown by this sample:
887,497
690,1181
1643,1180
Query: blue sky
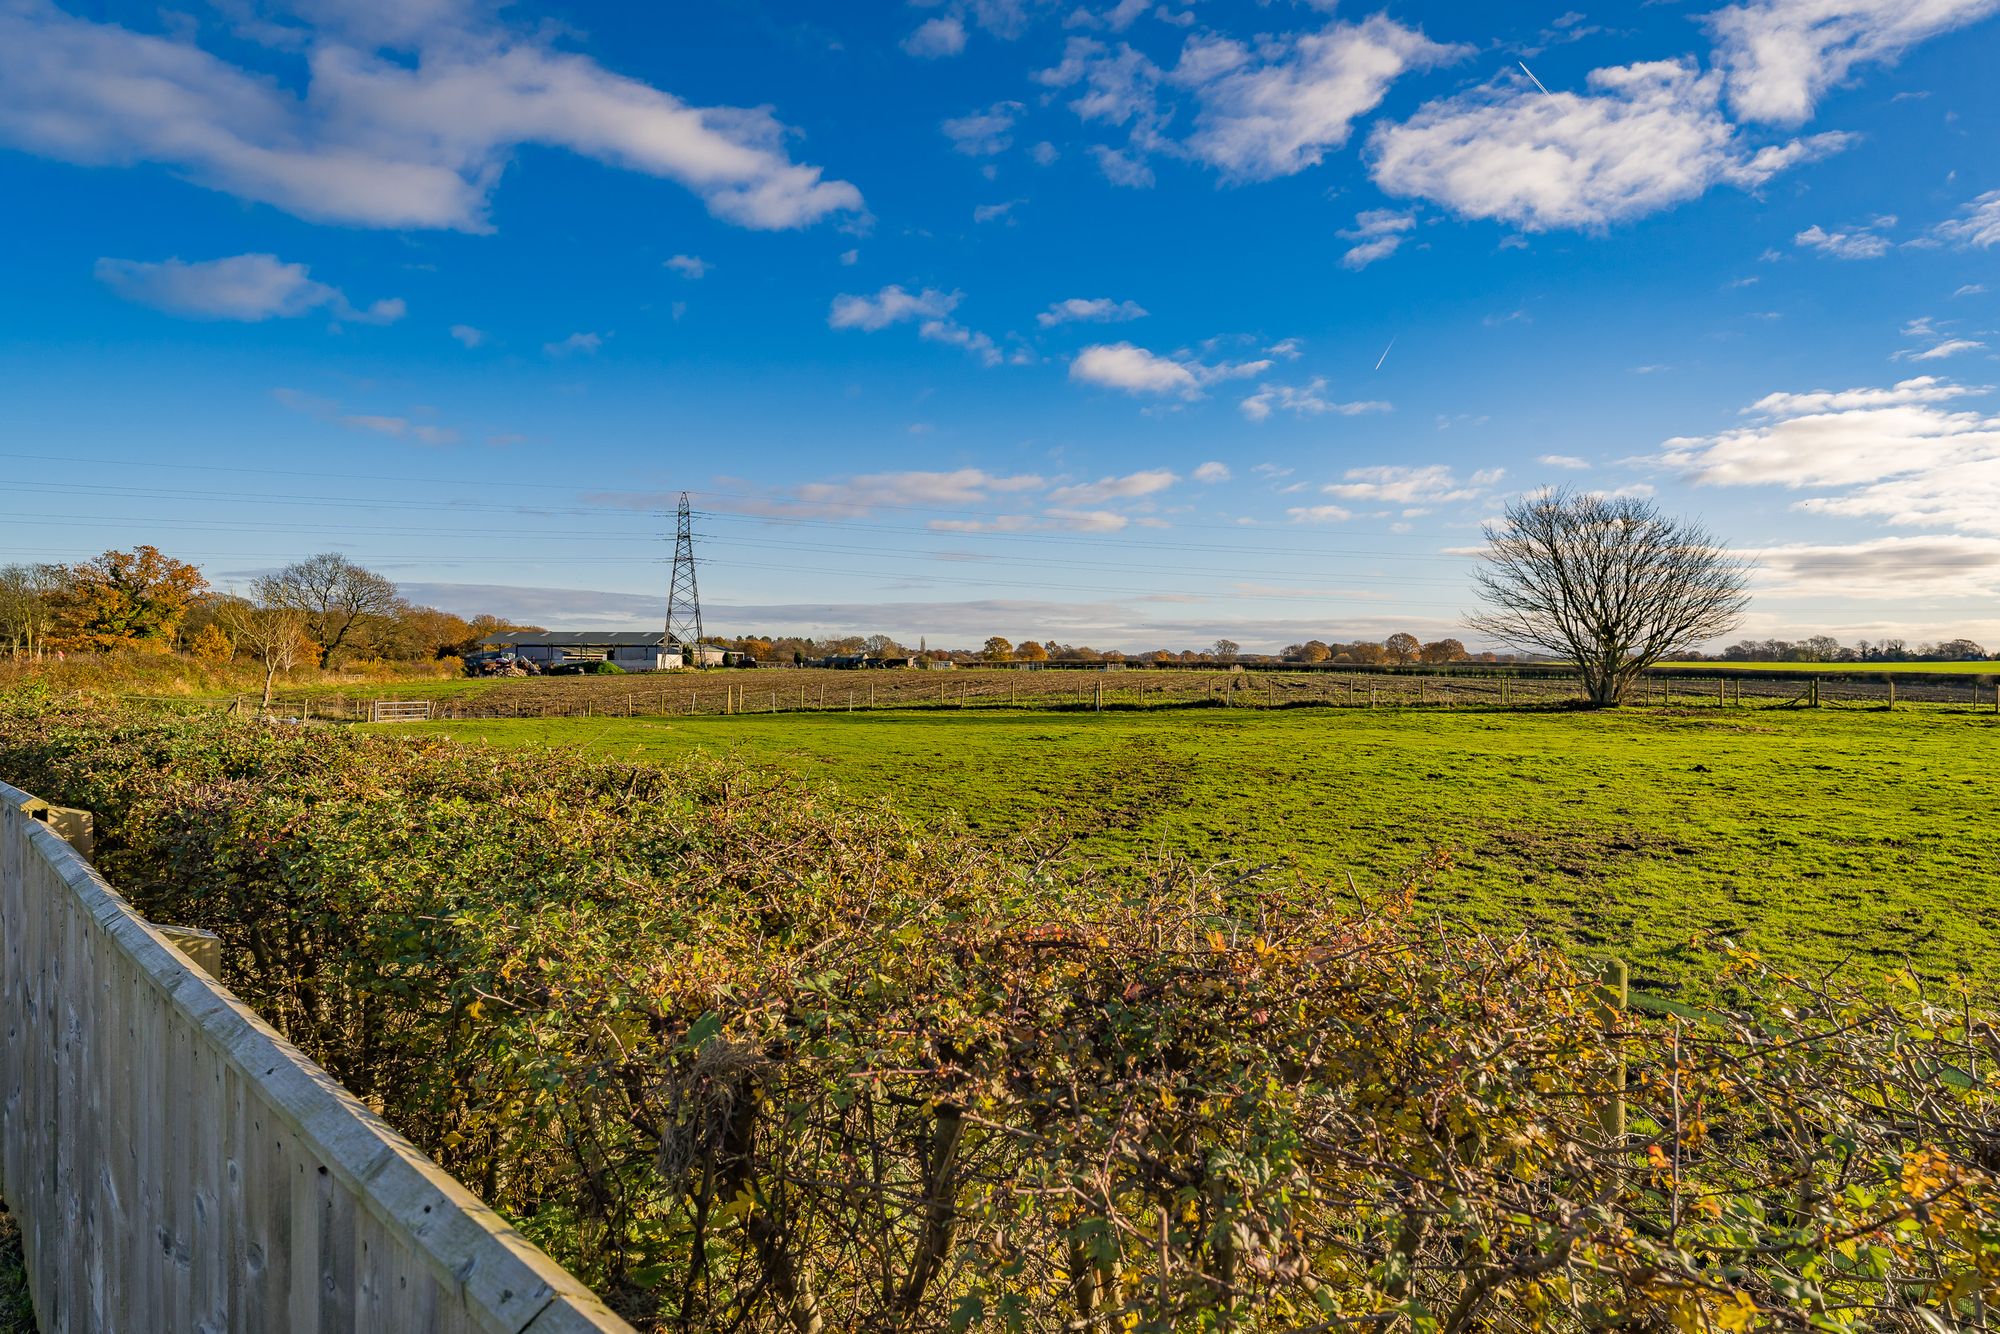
1116,323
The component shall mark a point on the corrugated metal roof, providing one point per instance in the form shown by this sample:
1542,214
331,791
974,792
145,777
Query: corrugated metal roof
580,639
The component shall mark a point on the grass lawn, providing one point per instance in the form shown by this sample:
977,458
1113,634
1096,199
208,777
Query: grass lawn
1813,837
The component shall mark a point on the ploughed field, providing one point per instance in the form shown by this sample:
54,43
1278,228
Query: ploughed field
1855,836
1460,685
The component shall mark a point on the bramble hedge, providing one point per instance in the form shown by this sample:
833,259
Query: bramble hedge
750,1059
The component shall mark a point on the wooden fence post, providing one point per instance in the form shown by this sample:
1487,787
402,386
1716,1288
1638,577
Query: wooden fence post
202,948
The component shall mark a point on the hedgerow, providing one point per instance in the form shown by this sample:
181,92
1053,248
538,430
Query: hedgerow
748,1058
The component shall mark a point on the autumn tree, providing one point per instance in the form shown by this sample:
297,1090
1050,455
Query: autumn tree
997,649
1403,648
1442,651
411,633
125,599
1366,652
211,644
1030,651
1610,586
337,598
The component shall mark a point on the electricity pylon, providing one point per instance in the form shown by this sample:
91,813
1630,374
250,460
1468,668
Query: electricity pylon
683,600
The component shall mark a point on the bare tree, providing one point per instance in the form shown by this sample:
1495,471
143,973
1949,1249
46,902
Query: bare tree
335,595
274,634
1610,586
27,606
1225,650
1404,648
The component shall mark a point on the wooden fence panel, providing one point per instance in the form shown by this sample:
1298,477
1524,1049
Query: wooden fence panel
176,1165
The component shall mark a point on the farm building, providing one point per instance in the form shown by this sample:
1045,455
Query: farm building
633,650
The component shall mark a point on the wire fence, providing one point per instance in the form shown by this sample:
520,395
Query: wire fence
820,690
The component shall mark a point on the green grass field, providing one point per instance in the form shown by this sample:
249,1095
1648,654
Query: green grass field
1813,837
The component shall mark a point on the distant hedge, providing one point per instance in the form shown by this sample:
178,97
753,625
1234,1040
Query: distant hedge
747,1058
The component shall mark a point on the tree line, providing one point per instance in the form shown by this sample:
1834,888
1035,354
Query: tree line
1825,648
322,610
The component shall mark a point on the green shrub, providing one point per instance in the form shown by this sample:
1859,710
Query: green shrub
747,1058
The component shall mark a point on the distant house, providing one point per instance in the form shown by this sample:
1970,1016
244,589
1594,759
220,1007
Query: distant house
633,650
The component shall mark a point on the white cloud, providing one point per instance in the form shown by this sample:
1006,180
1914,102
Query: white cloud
1090,310
1781,56
1262,110
891,305
960,488
1117,18
953,334
1136,370
1089,521
1434,484
1921,389
689,266
1044,153
377,138
850,257
1971,289
1120,168
1898,569
1132,486
984,133
331,412
468,335
1308,400
1950,347
936,37
930,308
1002,212
1275,111
1858,244
577,344
1978,225
1133,369
401,428
1379,232
1210,473
1319,514
1645,137
241,287
1562,461
1901,454
1120,87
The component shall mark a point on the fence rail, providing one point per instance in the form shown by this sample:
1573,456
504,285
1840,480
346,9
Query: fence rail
175,1164
806,690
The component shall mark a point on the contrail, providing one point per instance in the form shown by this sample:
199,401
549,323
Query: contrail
1531,74
1385,355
